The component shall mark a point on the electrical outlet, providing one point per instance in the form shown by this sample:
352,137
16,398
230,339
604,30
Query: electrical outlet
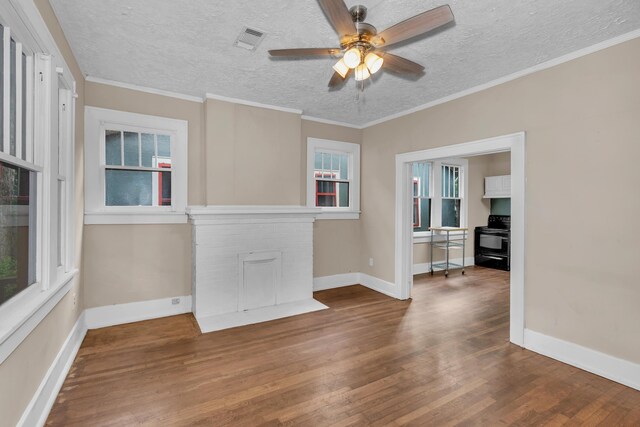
370,262
175,301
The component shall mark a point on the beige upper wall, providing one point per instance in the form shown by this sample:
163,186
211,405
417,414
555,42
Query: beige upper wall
336,243
22,372
582,127
252,155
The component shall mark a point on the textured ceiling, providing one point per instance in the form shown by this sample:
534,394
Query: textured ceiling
187,47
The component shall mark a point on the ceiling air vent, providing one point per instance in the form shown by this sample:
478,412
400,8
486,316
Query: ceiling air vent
249,38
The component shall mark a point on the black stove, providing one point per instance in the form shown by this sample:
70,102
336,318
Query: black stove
492,243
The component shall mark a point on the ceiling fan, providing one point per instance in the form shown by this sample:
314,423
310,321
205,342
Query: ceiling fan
363,49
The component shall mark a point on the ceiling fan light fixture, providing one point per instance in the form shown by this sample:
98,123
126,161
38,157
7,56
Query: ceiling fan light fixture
341,68
374,62
352,57
362,72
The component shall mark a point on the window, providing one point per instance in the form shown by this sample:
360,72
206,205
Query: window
333,178
36,174
451,200
136,170
18,172
438,195
421,196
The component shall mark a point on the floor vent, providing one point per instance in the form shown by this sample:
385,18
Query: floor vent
249,38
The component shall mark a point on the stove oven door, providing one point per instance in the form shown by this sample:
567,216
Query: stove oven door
492,249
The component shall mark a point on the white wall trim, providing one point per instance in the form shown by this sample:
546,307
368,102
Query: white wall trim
37,411
119,314
135,218
252,103
424,267
323,283
144,89
25,312
331,122
607,366
379,285
348,279
527,71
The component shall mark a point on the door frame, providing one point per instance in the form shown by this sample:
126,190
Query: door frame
515,143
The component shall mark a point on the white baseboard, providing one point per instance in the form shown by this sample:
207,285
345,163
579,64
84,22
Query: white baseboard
348,279
118,314
336,281
425,267
37,411
240,318
379,285
607,366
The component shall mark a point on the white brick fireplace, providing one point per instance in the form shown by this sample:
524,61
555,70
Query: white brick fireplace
251,264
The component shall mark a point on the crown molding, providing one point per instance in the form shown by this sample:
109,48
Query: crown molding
527,71
331,122
145,89
522,73
252,103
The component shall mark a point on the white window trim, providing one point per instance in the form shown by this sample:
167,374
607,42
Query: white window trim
435,191
96,119
21,315
353,211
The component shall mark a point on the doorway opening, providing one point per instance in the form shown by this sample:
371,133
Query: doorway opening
405,218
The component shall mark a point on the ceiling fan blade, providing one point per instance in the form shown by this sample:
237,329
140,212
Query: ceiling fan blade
414,26
398,64
339,16
314,51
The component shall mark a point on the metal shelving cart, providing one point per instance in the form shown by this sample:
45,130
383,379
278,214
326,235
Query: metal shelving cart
447,244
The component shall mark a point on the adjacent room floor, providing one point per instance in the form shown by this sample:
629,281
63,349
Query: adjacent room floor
441,359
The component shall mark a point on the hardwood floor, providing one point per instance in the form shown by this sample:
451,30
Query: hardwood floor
441,359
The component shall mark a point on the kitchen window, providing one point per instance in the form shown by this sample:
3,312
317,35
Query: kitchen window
439,188
136,172
333,178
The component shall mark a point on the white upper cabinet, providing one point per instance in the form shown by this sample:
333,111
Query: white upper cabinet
497,186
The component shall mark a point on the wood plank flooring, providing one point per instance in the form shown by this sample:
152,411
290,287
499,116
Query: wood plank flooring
442,359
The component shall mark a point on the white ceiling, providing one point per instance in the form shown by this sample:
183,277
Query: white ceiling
187,47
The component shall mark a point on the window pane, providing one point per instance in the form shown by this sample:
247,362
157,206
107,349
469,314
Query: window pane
12,99
164,191
17,230
343,194
451,212
164,146
1,87
24,107
137,188
344,166
113,148
148,149
422,208
318,161
131,153
128,188
421,174
326,164
325,193
61,215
